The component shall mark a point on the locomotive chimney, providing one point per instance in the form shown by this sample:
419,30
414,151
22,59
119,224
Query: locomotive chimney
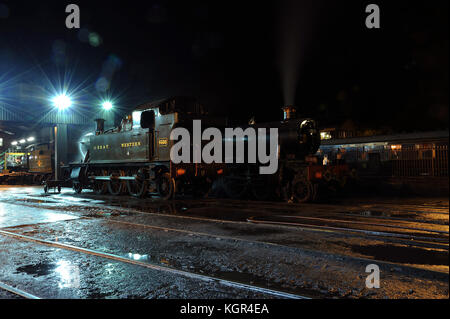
289,112
100,126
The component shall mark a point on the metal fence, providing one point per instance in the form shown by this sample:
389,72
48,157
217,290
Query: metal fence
407,160
423,161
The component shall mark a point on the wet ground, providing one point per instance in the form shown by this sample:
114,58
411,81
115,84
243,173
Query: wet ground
88,246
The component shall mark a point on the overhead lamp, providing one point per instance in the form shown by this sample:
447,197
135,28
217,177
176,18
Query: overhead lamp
62,102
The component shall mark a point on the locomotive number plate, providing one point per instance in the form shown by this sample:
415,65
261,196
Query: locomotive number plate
163,142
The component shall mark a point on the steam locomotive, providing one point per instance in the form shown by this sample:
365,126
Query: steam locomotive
134,158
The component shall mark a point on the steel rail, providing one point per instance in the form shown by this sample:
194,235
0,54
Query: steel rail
225,237
369,232
17,291
395,219
310,227
366,223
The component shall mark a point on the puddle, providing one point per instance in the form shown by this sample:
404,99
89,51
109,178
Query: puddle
406,255
400,215
241,277
373,213
96,293
251,231
28,200
261,282
41,269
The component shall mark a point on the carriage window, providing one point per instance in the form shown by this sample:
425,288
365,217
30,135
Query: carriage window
148,119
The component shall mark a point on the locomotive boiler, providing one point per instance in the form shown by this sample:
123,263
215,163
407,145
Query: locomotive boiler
135,157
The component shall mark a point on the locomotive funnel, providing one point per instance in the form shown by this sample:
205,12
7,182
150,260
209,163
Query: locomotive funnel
289,112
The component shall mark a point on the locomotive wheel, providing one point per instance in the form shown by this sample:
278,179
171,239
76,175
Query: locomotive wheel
201,188
343,181
166,186
181,187
302,190
234,186
315,192
77,188
138,187
115,186
327,175
100,187
261,188
333,185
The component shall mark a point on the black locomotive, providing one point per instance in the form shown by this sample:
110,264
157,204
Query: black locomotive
135,158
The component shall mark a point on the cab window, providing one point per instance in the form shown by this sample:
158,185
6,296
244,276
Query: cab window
148,119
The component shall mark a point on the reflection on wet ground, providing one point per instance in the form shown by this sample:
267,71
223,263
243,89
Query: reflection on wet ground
137,257
87,220
405,255
15,215
68,274
240,210
37,270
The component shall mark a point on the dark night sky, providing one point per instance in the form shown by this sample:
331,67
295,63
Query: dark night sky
234,55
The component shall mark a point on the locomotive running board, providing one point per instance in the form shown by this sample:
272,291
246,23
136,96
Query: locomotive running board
108,178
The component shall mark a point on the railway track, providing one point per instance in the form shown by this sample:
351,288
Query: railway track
17,292
270,292
327,212
424,230
205,278
412,240
319,208
440,222
428,209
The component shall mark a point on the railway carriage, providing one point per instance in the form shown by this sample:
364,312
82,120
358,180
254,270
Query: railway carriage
32,166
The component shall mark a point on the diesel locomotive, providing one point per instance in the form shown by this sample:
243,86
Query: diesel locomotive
32,166
134,158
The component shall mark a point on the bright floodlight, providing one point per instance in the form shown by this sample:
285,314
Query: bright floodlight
62,102
22,141
14,143
107,105
30,139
